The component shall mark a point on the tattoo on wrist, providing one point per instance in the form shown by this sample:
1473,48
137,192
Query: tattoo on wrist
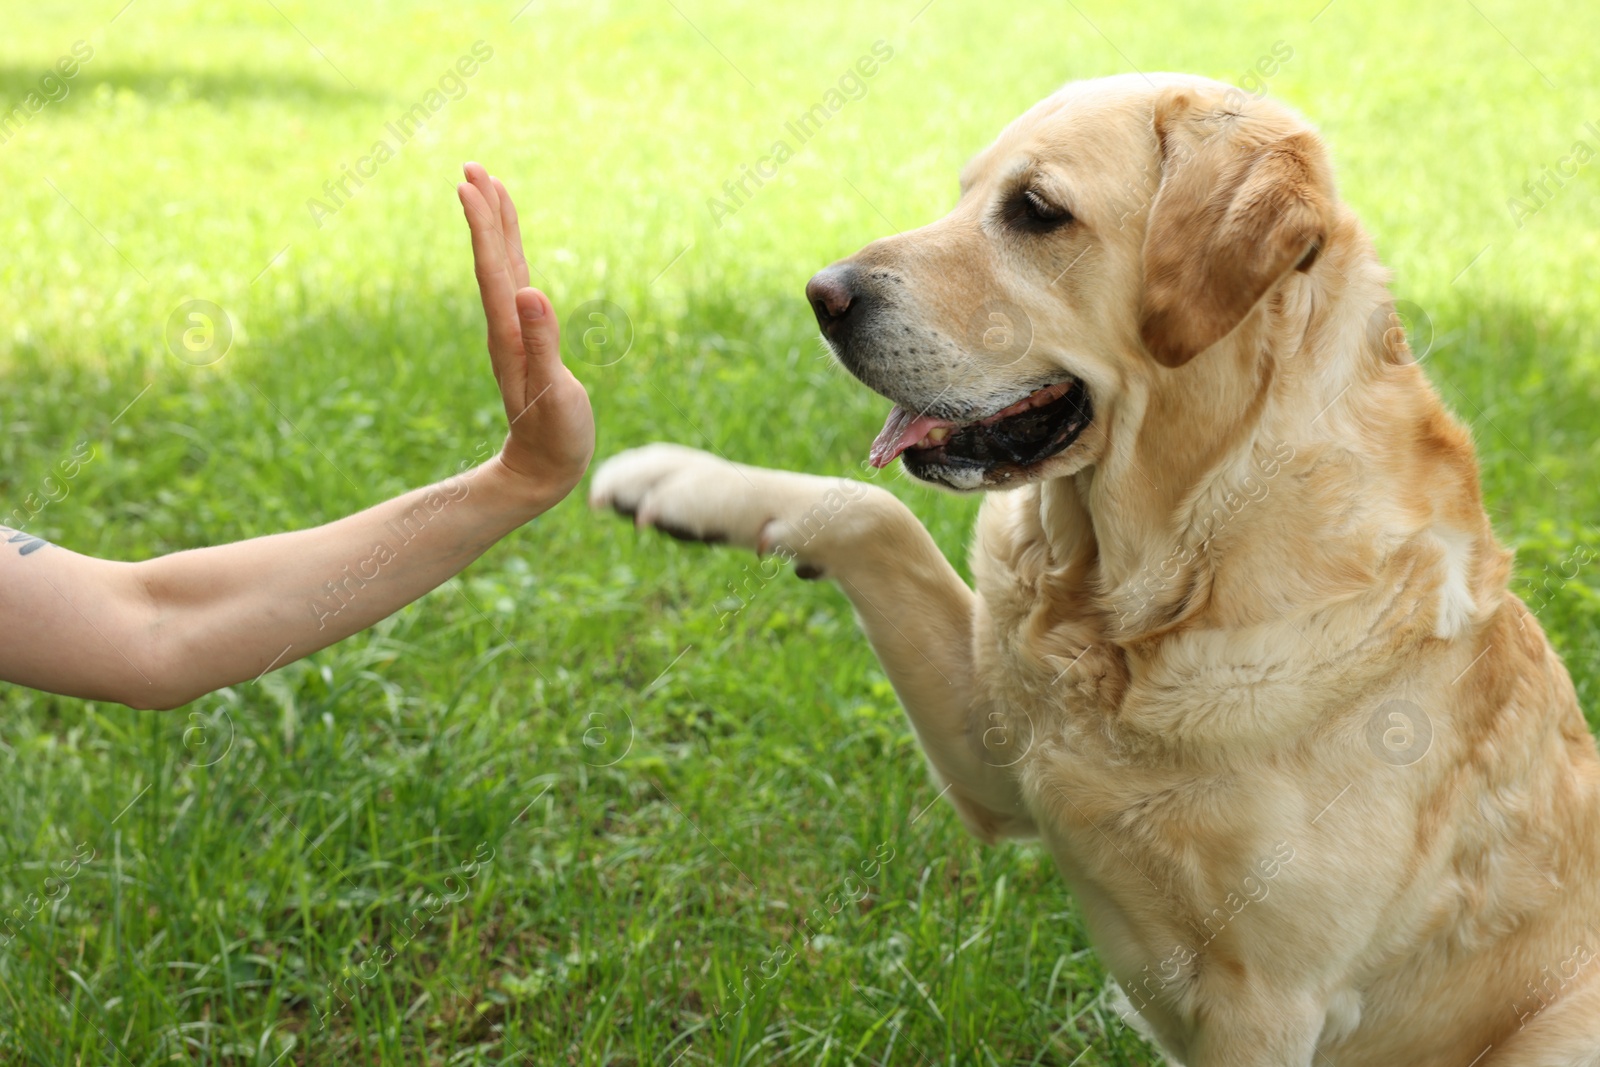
25,542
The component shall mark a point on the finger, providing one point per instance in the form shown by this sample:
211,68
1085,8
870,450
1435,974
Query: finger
479,177
513,235
494,278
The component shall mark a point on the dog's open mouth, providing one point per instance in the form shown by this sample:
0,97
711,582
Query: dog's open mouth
964,454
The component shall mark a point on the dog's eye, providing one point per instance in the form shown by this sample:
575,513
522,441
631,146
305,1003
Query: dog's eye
1032,213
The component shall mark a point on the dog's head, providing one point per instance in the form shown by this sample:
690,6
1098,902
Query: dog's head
1111,234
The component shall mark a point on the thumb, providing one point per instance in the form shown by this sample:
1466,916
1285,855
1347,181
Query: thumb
541,334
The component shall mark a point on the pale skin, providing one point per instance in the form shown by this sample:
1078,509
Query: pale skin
160,633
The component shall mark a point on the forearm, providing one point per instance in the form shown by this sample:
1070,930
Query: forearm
919,615
163,632
227,613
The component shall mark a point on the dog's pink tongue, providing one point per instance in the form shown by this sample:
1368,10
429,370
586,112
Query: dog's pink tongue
900,431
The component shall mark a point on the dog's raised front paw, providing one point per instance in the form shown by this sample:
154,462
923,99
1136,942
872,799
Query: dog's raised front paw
696,496
685,493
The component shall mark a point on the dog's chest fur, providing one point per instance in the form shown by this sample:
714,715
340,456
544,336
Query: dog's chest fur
1137,822
1208,789
1179,781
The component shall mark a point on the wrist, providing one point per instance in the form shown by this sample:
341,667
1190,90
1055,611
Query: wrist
520,494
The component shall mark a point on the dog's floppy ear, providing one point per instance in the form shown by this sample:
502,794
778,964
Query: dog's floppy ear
1245,197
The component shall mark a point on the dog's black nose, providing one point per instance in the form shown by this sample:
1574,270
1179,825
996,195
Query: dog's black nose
832,293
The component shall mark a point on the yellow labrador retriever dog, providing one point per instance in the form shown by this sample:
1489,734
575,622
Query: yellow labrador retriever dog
1241,649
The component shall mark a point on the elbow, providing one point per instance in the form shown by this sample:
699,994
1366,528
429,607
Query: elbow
162,683
144,694
162,663
155,700
158,680
989,822
991,827
139,678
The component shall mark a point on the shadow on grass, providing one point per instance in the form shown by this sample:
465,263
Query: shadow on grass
174,85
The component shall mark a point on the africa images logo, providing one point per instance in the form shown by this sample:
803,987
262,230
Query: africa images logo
851,85
452,85
52,88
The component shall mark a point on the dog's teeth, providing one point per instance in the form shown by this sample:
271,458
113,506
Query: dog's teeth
936,435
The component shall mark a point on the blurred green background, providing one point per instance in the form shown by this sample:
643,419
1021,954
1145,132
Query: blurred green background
671,758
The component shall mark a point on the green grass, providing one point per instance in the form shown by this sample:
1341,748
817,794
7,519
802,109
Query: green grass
668,786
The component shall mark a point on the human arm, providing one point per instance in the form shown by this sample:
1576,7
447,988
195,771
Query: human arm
162,632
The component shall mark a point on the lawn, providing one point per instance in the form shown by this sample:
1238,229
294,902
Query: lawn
608,799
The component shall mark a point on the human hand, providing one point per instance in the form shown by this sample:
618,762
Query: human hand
551,436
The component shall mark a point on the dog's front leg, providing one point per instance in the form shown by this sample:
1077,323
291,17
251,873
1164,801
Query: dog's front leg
1251,1023
916,611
